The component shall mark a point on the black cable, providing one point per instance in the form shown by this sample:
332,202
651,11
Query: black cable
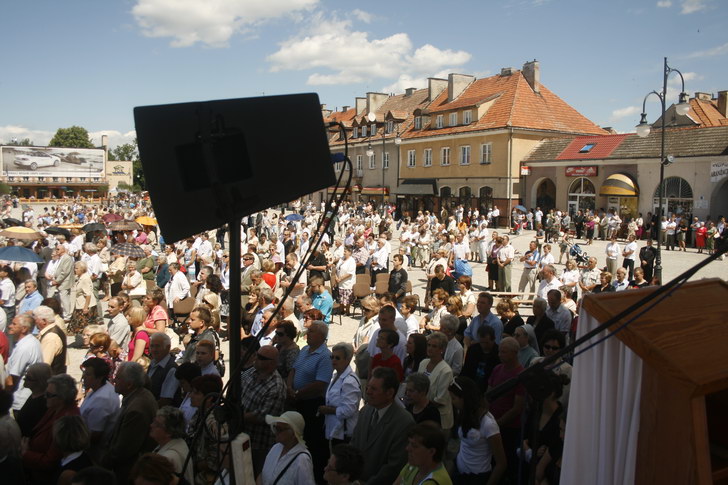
321,229
532,373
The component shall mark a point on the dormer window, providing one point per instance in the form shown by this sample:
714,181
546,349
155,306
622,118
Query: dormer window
390,126
364,131
587,148
467,117
418,122
373,128
453,119
439,121
356,132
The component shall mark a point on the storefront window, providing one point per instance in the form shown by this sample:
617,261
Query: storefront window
582,196
678,197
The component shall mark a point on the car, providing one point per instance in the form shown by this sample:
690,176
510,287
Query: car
35,159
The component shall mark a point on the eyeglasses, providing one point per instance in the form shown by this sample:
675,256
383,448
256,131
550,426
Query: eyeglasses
49,395
263,357
550,347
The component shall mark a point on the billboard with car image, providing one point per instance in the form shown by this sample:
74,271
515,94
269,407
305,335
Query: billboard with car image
17,161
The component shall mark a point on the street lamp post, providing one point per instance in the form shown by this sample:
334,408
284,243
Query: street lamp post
370,152
643,129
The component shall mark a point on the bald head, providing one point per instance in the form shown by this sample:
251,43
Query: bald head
267,360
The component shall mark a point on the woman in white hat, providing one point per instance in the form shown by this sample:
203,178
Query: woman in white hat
288,462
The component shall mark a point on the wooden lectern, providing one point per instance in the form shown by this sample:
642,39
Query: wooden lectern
683,343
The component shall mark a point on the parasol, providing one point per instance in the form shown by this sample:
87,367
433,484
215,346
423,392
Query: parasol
128,249
19,254
10,221
294,217
71,226
93,226
61,231
125,226
521,208
20,233
146,221
111,217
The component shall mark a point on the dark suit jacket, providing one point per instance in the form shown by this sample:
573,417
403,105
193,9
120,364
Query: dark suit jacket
383,445
131,433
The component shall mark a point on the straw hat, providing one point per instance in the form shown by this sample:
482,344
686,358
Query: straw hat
292,419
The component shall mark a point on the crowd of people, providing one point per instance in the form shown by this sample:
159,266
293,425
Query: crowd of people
402,401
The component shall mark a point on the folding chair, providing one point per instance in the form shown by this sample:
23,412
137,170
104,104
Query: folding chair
408,291
181,312
359,291
338,308
383,277
381,287
363,279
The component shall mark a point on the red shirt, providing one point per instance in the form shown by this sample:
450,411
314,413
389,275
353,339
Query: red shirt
504,403
392,362
157,313
4,347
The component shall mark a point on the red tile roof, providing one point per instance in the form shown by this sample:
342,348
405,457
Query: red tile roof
706,113
603,146
516,105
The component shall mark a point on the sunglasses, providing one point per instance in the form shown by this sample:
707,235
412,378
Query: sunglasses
263,357
550,347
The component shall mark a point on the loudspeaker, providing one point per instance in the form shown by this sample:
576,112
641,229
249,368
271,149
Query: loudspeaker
206,163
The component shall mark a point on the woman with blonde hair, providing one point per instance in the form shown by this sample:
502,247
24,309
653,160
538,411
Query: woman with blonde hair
139,342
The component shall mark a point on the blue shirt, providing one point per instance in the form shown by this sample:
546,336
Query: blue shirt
491,320
312,366
30,302
325,304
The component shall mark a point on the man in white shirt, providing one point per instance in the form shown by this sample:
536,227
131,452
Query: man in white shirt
613,250
630,254
99,409
27,352
549,282
546,258
620,282
387,316
530,268
380,259
204,252
178,287
460,249
505,261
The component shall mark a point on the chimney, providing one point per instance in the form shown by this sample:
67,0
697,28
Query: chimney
532,73
360,104
507,71
703,96
456,84
434,87
325,112
105,144
723,103
375,101
345,108
409,91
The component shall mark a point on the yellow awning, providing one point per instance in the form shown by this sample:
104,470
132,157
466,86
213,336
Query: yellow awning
619,185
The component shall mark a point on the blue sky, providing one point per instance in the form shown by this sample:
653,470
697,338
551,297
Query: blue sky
89,63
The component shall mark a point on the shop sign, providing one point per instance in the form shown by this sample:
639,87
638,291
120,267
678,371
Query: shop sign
585,171
525,170
718,171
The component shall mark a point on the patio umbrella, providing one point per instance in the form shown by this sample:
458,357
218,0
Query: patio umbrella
521,208
93,226
146,221
20,233
62,231
71,226
294,217
19,254
128,249
111,218
125,226
10,221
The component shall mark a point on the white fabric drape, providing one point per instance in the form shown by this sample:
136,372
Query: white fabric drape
600,445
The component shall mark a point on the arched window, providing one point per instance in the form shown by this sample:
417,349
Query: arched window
466,195
582,196
486,199
446,198
678,197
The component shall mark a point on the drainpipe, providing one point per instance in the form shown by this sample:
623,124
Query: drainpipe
510,176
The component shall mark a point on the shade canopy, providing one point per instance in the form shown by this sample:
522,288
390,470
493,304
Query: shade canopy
619,185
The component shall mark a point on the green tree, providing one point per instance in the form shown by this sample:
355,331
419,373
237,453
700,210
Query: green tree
73,137
5,188
127,151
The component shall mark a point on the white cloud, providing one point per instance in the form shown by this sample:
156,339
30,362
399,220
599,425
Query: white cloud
715,51
212,22
692,6
332,45
116,138
618,114
363,16
664,4
38,137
